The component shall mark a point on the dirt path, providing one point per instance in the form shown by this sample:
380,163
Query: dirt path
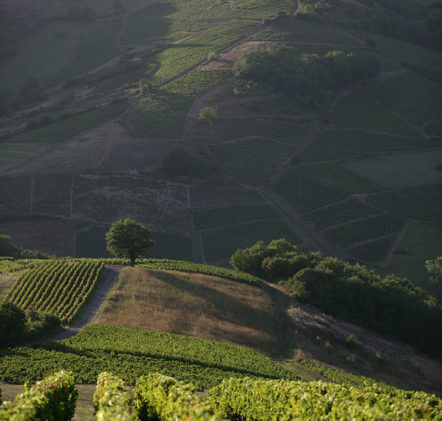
91,310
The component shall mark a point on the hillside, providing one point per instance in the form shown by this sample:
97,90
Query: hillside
100,104
259,316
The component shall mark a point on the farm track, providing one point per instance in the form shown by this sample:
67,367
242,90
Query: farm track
88,313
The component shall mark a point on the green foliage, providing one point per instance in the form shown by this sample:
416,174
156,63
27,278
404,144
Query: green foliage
196,81
434,268
164,398
352,341
58,287
309,79
179,58
275,261
9,264
130,353
127,238
261,9
52,398
111,400
7,249
160,115
344,377
220,244
181,161
351,292
185,266
12,324
255,399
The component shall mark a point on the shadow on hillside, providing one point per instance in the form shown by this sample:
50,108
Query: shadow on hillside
276,325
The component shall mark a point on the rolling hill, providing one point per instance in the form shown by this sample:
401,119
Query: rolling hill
117,91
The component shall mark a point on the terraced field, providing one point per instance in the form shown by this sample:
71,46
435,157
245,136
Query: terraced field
339,179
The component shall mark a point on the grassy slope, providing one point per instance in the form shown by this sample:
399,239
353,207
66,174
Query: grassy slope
263,318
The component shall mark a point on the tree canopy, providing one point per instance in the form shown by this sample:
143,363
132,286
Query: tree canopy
309,80
389,305
128,238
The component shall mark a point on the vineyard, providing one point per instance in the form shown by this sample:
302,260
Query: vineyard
164,398
130,353
57,287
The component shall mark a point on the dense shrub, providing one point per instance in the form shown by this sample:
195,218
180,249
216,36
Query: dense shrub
391,305
310,79
18,326
7,249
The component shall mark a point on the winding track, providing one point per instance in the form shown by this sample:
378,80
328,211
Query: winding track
91,309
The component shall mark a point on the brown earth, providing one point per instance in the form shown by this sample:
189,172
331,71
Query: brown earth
266,319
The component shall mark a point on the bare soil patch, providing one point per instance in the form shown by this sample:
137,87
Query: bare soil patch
192,304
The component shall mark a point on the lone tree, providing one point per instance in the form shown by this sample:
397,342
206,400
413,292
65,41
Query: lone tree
128,238
209,114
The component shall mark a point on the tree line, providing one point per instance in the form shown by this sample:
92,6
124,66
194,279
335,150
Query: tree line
391,306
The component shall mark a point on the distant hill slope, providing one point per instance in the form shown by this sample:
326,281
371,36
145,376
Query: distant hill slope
97,97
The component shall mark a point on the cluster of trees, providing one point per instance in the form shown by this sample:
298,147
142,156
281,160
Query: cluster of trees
8,249
18,326
310,79
390,306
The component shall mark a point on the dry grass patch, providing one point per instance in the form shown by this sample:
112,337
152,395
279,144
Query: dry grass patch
192,304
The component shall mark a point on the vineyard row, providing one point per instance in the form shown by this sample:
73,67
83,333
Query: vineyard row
165,398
